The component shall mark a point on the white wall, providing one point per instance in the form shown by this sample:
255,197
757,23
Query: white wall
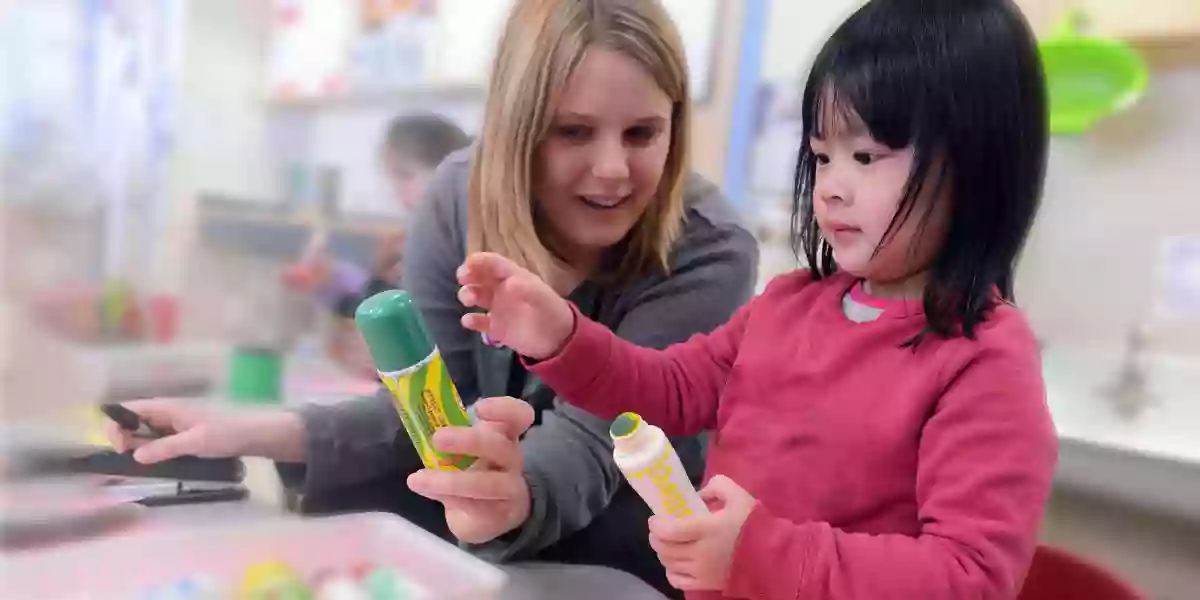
1112,197
233,142
222,134
222,141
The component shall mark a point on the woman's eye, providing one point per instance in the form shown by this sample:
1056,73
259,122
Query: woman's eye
640,135
822,159
864,158
573,132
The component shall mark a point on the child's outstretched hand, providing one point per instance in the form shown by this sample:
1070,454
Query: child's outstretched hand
698,551
523,312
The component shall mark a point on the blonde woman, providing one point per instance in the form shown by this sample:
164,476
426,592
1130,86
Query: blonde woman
581,175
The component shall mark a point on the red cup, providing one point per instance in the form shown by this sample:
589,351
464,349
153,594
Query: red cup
164,318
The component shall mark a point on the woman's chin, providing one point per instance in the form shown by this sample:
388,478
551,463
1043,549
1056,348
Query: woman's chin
600,241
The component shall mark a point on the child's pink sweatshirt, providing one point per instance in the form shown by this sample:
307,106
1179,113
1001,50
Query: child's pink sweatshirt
880,472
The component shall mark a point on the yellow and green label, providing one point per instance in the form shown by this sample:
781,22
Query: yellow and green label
426,400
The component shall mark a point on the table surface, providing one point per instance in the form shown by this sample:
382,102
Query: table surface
527,581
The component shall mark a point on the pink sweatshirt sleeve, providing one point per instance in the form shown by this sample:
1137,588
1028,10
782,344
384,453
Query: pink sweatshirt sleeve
986,460
676,389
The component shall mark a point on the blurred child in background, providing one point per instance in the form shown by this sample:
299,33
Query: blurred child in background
413,147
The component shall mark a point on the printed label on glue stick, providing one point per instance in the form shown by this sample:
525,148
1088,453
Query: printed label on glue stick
665,487
426,400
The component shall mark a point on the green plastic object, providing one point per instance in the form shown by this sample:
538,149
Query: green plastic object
412,369
624,425
255,376
1089,78
386,584
392,327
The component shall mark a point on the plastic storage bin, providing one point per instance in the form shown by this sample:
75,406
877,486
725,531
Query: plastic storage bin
126,567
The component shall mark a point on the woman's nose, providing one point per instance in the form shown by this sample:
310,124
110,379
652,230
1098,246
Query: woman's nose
610,160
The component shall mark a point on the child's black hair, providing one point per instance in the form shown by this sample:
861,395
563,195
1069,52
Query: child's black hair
960,81
426,138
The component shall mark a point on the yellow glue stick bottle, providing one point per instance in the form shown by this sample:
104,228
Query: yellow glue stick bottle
646,457
412,369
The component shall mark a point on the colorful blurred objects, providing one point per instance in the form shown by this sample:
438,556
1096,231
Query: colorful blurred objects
256,376
273,581
111,313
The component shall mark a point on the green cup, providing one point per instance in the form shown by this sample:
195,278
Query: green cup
256,376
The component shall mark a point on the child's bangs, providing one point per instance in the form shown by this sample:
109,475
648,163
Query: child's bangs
867,95
875,91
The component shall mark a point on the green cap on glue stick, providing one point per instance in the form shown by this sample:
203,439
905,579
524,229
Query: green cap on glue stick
411,367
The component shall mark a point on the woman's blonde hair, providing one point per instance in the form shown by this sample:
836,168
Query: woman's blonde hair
543,42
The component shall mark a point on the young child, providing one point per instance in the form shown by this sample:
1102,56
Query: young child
413,147
880,423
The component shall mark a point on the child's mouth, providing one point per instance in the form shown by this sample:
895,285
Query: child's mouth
844,233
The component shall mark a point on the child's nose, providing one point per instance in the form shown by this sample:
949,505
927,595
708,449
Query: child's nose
831,187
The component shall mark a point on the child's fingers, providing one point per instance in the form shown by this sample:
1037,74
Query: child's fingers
483,266
682,581
472,296
671,553
719,489
679,531
477,322
722,493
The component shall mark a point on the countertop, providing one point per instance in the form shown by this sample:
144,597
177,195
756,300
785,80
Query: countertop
1150,459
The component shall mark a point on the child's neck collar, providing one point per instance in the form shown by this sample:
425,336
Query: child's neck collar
896,306
908,288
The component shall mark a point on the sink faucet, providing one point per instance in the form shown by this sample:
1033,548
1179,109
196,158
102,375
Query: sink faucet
1129,394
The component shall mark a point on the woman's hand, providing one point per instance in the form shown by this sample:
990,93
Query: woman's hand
210,432
491,497
524,313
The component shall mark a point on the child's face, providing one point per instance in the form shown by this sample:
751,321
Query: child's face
407,178
859,186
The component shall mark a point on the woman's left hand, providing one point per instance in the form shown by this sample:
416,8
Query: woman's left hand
697,551
491,497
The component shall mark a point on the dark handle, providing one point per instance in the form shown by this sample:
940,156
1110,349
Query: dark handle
185,468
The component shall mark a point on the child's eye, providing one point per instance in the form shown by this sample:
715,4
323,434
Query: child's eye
864,158
822,159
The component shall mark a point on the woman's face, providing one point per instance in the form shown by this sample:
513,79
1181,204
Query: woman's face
599,167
